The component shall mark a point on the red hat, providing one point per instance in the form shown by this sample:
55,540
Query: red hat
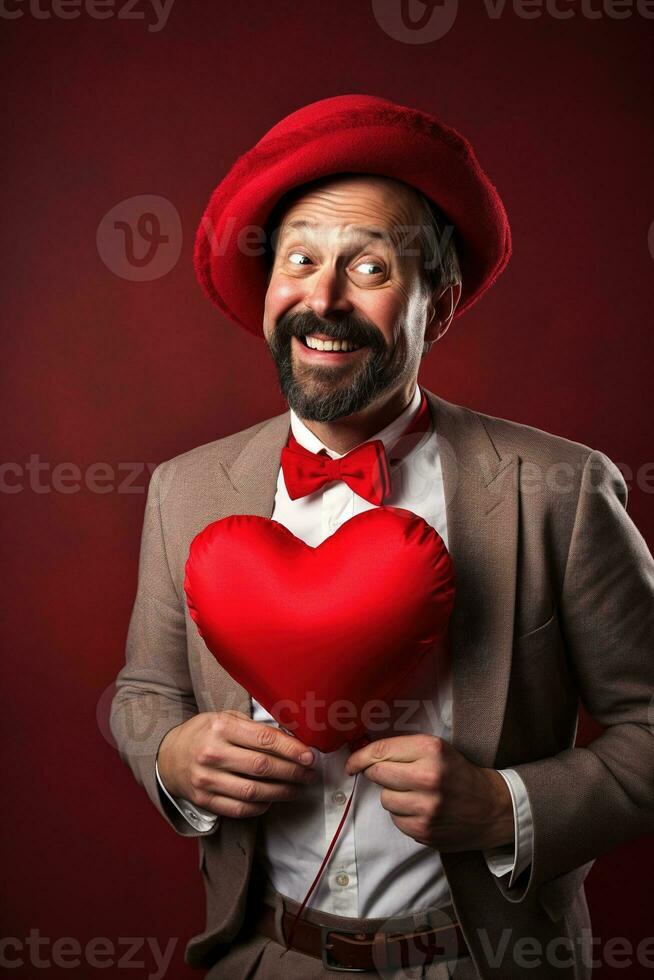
354,134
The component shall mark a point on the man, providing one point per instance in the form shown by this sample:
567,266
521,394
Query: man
474,827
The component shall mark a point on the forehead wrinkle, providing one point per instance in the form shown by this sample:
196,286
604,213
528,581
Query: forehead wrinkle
400,212
386,191
355,234
358,231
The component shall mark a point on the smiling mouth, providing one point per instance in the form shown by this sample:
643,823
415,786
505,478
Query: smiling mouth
327,345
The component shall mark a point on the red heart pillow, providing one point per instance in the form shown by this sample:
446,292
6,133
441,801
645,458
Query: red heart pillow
317,634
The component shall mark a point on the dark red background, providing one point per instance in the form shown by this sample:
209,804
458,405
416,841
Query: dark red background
98,368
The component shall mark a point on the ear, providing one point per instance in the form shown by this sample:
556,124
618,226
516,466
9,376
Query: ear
443,305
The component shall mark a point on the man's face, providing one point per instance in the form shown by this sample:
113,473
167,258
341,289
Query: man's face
346,269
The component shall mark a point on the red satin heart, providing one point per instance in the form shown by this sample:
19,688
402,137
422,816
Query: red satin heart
305,629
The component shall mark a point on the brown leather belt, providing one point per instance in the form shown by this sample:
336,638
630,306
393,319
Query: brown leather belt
341,950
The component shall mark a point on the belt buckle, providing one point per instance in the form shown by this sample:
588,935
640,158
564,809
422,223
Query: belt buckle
329,964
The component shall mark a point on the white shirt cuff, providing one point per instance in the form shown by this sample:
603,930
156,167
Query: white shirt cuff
515,857
199,818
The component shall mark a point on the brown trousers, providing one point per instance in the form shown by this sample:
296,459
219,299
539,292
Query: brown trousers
256,957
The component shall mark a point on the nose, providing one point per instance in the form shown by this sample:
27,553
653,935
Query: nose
327,293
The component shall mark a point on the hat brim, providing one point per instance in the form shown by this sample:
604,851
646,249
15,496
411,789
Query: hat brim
389,140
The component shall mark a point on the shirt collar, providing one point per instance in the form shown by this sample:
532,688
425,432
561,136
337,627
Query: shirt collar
388,435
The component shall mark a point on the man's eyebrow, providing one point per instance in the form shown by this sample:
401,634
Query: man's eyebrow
302,224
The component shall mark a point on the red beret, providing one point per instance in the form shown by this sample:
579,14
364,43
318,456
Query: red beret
355,134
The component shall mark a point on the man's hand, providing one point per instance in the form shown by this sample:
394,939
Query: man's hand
227,763
436,796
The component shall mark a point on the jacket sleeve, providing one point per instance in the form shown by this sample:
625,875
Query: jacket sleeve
586,801
153,692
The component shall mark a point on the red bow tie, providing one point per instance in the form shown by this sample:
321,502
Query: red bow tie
365,468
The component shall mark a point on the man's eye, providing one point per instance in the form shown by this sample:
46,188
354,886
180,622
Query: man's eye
295,258
369,268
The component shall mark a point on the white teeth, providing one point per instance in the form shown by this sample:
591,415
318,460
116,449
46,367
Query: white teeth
330,345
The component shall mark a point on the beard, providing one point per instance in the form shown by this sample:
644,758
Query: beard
322,394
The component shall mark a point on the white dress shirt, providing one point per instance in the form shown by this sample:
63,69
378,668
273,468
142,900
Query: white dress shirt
375,869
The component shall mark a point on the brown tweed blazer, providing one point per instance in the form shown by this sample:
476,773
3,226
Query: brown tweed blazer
555,603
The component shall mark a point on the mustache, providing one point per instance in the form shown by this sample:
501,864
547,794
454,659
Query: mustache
359,332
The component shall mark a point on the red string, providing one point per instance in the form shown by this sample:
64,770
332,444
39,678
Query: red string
324,863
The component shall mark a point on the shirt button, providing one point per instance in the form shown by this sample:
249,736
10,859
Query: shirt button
342,880
338,796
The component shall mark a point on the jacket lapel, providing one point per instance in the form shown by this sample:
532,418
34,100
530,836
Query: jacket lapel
253,474
481,499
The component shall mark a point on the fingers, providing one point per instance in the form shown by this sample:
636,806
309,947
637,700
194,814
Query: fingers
404,804
225,806
412,827
241,730
259,765
398,748
256,791
394,775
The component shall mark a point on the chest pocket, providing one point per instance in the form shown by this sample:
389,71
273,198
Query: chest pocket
524,637
541,711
